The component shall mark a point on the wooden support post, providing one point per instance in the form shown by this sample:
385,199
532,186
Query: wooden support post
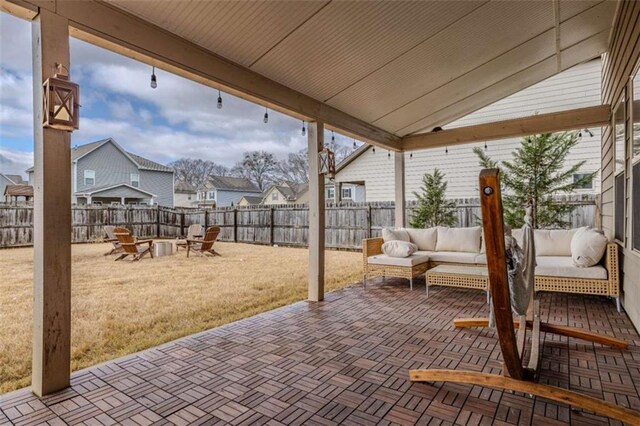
52,218
235,225
157,220
182,234
271,225
316,213
369,226
400,213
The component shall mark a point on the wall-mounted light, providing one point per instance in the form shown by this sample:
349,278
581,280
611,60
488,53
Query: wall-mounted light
266,116
60,101
219,100
154,80
327,163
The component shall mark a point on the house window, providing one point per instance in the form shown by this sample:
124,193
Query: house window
619,208
619,120
274,196
89,177
331,193
346,193
635,165
212,195
620,134
135,180
585,185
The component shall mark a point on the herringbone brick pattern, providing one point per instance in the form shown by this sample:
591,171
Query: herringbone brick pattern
346,361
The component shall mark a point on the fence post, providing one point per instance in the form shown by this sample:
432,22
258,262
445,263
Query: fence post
182,223
235,225
157,220
271,225
369,221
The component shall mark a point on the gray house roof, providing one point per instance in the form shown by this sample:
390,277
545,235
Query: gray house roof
292,191
142,163
129,188
16,179
182,187
228,183
253,200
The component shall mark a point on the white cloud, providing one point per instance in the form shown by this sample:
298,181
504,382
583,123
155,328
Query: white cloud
15,162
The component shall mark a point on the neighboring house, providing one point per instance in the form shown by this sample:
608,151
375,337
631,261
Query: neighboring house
573,88
347,191
103,172
250,200
184,194
225,191
287,193
7,179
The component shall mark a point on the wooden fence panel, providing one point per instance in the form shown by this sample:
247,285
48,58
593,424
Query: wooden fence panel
346,223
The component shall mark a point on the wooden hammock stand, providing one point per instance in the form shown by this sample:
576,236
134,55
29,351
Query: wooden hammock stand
516,376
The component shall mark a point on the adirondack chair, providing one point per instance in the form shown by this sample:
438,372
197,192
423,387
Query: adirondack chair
111,238
131,247
193,232
205,245
518,375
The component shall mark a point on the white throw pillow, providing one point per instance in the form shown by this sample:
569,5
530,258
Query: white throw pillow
587,247
399,248
459,239
554,242
425,239
395,234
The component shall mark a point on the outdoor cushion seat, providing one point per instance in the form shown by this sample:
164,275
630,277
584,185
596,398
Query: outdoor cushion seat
450,256
563,266
383,259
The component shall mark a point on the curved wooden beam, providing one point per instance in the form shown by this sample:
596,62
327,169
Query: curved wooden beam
553,393
562,330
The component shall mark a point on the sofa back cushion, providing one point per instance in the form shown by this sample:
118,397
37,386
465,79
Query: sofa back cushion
459,239
397,248
425,238
553,242
395,234
587,247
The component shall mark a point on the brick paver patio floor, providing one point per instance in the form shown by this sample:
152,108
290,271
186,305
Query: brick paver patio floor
346,361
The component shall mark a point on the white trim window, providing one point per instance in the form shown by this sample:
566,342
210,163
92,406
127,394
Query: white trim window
331,193
579,176
346,193
135,180
89,177
211,195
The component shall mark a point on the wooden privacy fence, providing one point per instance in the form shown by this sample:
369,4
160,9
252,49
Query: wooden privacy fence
346,223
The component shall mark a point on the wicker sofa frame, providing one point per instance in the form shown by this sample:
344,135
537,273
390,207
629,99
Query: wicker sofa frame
605,287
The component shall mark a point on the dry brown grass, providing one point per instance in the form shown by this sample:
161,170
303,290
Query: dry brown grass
120,308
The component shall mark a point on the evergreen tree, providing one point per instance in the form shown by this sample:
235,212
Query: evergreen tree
535,174
433,207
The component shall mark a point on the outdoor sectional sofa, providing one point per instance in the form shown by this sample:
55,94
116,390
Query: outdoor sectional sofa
555,270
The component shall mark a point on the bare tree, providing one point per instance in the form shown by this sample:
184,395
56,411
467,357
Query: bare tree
294,169
257,166
197,171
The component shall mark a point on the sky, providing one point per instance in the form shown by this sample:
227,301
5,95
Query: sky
177,119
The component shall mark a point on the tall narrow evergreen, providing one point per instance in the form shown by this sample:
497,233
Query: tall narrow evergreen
433,207
535,174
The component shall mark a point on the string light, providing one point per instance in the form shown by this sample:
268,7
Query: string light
374,149
388,154
266,116
219,100
304,129
411,155
154,80
333,137
354,144
485,145
446,149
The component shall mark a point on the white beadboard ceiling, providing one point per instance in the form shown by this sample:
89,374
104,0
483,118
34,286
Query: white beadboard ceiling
404,66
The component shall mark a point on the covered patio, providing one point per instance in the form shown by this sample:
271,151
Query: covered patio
390,74
345,361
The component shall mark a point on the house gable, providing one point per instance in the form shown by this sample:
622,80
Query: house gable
109,162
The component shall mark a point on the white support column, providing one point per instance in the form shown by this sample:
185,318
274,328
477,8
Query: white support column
316,214
399,189
52,218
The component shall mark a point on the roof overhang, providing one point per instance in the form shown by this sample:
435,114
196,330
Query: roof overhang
97,191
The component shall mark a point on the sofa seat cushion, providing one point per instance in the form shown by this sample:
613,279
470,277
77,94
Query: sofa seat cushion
450,256
383,259
562,266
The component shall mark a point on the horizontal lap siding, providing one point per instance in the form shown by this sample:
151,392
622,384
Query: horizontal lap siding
618,66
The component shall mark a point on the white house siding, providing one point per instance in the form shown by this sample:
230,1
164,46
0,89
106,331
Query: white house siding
184,200
574,88
159,184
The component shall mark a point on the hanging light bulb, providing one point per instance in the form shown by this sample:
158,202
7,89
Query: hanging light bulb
154,80
354,144
219,100
333,137
266,115
304,129
485,145
388,154
446,149
411,155
374,149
